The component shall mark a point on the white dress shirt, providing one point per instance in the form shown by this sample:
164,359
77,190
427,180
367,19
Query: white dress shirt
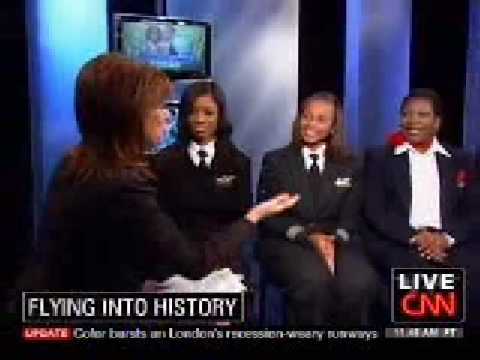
308,161
425,185
194,148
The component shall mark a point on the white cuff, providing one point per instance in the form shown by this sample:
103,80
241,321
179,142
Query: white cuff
342,235
451,240
293,231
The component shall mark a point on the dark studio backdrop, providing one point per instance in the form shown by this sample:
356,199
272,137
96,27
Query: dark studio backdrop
437,59
438,48
16,182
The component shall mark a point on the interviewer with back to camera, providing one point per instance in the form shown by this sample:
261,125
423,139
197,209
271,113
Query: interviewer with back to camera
103,228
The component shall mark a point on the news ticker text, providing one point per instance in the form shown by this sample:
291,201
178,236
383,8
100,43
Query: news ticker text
136,333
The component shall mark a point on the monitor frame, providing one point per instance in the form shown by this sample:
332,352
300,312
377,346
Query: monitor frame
115,40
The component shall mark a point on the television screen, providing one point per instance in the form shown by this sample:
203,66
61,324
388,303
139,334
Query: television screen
181,48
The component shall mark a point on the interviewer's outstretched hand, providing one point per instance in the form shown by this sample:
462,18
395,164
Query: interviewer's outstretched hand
272,207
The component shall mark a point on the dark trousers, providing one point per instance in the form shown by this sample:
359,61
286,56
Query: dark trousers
314,295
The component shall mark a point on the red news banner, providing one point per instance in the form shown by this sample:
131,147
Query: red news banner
47,334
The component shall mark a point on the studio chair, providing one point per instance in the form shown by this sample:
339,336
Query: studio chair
268,299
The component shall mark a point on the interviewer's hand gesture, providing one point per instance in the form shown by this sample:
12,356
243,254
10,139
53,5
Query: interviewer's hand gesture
272,207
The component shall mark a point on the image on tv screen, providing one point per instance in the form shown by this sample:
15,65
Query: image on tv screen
174,48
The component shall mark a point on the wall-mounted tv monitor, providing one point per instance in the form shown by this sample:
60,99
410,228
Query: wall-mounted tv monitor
179,47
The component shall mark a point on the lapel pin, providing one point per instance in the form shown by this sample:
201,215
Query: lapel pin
462,179
225,180
345,182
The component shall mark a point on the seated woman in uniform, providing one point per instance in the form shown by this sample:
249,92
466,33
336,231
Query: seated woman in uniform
325,284
103,229
204,182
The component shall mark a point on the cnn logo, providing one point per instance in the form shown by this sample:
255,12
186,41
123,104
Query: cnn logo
432,295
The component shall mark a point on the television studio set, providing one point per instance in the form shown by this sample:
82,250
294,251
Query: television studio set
241,174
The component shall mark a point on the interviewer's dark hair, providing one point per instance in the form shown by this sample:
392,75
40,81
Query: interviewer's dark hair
336,147
426,94
191,93
113,96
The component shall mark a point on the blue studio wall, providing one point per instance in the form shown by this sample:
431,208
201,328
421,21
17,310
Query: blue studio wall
377,68
62,36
